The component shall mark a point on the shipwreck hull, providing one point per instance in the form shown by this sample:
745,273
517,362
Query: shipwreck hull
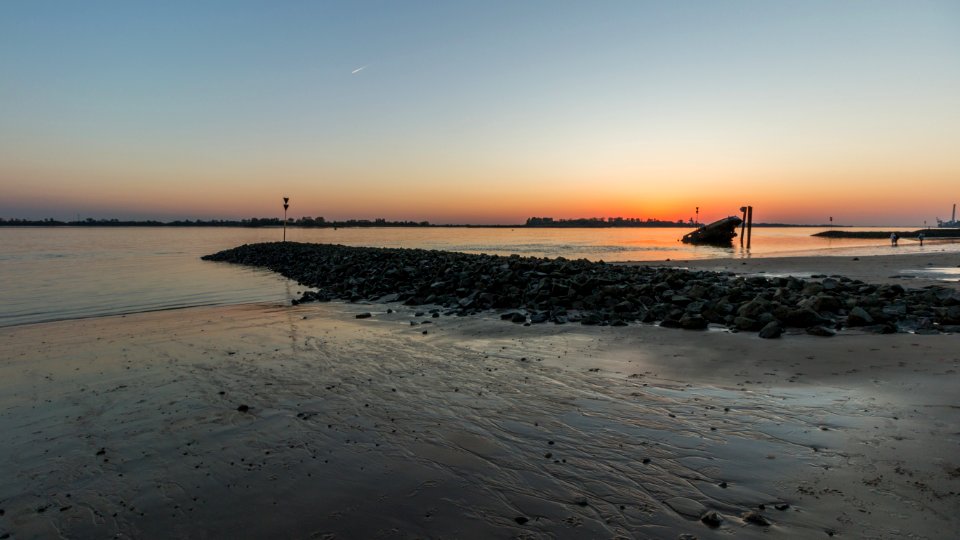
719,233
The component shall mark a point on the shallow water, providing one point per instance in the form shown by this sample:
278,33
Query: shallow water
65,273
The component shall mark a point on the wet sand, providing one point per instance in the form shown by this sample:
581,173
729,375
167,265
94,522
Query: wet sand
468,427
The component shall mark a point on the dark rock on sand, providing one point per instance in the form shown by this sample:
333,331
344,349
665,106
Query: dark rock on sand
712,519
540,317
821,331
771,331
693,322
756,518
745,323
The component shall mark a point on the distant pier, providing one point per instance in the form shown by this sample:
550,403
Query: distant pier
927,233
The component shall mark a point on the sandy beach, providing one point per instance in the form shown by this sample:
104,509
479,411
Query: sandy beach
266,420
913,270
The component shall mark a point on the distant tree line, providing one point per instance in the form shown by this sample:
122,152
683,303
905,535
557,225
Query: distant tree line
251,222
311,222
603,222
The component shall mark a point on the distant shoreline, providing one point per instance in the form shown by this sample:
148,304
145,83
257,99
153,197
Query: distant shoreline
359,224
927,233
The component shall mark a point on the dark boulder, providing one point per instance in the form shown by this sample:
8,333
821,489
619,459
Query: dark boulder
821,331
692,322
859,317
772,330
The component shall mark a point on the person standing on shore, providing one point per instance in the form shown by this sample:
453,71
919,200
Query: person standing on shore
920,237
893,239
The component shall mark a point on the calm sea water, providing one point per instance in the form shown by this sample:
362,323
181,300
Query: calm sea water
63,273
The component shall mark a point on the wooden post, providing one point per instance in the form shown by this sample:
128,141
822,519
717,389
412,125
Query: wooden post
749,225
743,223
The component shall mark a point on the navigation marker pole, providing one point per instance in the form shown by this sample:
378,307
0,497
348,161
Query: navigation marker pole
286,204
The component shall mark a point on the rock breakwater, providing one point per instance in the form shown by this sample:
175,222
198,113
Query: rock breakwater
532,290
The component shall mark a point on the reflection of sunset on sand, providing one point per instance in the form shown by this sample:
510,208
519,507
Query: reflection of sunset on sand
476,428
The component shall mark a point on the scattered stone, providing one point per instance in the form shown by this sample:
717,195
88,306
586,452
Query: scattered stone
712,519
365,315
745,323
539,317
859,317
521,520
772,330
243,408
756,518
821,331
693,322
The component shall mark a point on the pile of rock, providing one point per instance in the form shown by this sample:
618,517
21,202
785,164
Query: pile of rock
533,290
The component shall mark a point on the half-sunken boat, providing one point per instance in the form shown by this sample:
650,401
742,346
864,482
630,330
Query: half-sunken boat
719,233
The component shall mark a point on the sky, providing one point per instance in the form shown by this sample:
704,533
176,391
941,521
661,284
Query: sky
481,112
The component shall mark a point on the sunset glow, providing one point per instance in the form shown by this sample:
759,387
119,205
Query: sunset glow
481,113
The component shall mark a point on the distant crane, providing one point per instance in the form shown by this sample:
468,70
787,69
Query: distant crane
953,219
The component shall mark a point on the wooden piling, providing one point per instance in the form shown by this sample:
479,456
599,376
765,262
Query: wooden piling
743,223
749,225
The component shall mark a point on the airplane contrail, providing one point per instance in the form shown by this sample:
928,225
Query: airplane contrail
358,70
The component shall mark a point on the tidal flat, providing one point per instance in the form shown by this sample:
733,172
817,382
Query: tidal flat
264,420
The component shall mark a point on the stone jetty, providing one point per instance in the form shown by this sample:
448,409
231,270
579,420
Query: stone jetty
530,290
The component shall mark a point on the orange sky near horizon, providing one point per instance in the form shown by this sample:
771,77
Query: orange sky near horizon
776,197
